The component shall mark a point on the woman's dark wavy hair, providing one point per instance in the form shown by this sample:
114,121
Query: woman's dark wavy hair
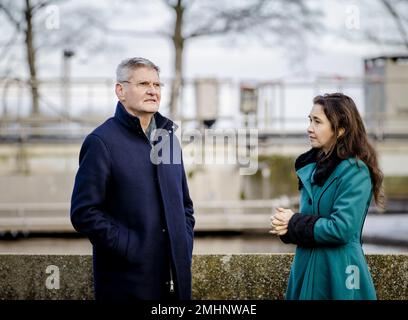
342,113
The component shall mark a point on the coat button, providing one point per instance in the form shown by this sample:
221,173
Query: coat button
310,201
163,230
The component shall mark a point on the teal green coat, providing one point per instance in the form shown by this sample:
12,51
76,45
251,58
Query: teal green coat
336,267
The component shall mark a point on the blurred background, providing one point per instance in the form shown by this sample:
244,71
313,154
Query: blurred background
226,65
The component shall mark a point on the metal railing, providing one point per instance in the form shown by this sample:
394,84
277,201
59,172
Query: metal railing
282,107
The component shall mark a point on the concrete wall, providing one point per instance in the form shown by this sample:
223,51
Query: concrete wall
241,276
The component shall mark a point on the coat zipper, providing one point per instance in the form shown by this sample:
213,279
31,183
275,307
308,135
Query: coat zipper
171,272
171,280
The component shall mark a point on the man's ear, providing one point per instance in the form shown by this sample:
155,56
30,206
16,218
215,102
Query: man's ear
341,132
119,91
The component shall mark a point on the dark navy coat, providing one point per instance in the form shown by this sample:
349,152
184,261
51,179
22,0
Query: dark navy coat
137,214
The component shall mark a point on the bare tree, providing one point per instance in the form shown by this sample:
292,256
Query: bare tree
28,18
23,22
398,10
271,22
277,20
385,22
22,18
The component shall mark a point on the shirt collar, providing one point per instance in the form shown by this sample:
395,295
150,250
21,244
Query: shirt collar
150,128
133,122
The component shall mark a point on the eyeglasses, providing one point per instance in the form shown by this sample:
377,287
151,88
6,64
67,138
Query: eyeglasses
146,85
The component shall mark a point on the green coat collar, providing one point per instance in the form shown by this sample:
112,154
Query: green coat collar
305,175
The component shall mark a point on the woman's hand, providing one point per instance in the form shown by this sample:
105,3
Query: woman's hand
280,221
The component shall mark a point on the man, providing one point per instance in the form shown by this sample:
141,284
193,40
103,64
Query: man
134,208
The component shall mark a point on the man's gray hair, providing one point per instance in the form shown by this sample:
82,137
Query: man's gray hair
124,69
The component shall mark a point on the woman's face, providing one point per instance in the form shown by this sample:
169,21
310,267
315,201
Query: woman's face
320,131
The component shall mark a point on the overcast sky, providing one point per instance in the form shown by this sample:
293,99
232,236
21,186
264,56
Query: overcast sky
323,55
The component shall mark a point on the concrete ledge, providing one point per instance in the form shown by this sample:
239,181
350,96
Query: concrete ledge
230,277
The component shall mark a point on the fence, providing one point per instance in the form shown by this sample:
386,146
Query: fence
71,108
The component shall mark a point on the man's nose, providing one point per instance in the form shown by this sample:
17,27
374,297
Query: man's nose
310,128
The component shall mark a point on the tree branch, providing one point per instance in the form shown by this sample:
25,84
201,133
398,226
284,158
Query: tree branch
397,20
370,36
291,15
135,33
41,5
10,16
8,44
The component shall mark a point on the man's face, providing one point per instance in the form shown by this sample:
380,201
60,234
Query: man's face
141,93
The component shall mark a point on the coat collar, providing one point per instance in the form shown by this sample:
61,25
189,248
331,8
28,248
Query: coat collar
133,122
305,175
336,173
324,167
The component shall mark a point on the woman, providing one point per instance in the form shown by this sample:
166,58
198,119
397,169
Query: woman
337,179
